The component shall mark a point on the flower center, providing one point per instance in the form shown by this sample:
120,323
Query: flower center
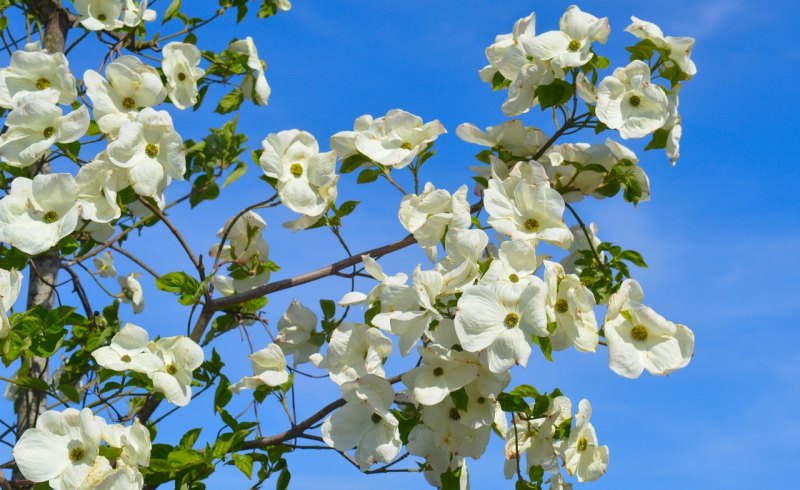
635,101
42,83
76,454
128,103
513,278
574,45
50,217
562,306
511,320
481,400
296,169
454,415
531,224
49,131
125,358
639,332
151,150
171,369
406,145
102,17
582,444
181,76
376,418
438,371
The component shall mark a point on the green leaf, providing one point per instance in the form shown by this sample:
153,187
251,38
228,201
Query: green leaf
111,453
368,175
633,257
238,171
527,391
171,11
245,463
328,308
499,82
557,93
460,399
601,62
353,162
544,345
70,392
188,439
230,102
659,140
512,403
346,208
283,479
184,458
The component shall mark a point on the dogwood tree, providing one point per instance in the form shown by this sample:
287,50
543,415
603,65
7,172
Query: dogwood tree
90,158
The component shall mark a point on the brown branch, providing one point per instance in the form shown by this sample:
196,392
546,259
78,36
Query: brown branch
197,264
135,260
78,288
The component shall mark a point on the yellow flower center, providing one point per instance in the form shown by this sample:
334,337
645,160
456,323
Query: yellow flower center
481,400
531,224
171,369
562,306
49,131
513,278
181,76
42,83
50,217
582,444
376,418
296,169
511,320
128,103
639,332
406,146
438,371
76,454
102,17
574,45
125,358
635,100
151,150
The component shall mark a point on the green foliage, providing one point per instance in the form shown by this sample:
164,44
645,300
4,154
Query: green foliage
604,278
188,289
555,94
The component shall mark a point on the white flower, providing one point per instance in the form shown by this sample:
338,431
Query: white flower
460,267
364,422
283,5
582,456
397,138
134,441
516,263
531,212
37,213
639,338
136,12
428,215
385,292
10,284
354,351
535,438
35,70
97,190
254,85
673,125
105,477
269,366
99,15
181,356
507,55
61,449
410,323
129,350
512,136
522,91
132,291
679,49
180,65
131,85
294,160
570,306
445,420
35,124
150,151
570,47
502,319
343,143
627,101
296,332
442,371
247,250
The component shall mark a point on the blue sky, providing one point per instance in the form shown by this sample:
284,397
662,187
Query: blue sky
721,233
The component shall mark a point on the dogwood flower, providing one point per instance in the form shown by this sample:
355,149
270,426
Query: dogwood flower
512,136
10,284
522,91
247,250
135,12
293,158
673,125
516,262
37,213
364,422
134,440
639,338
99,15
627,101
430,214
535,438
397,138
679,49
61,449
354,351
460,267
442,371
104,263
97,190
35,70
132,291
269,366
410,324
181,356
570,309
129,350
150,151
582,456
530,213
181,66
131,85
296,332
35,124
502,319
507,56
570,47
343,143
389,290
254,85
445,420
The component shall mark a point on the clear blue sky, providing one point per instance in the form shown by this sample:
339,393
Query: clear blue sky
721,233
